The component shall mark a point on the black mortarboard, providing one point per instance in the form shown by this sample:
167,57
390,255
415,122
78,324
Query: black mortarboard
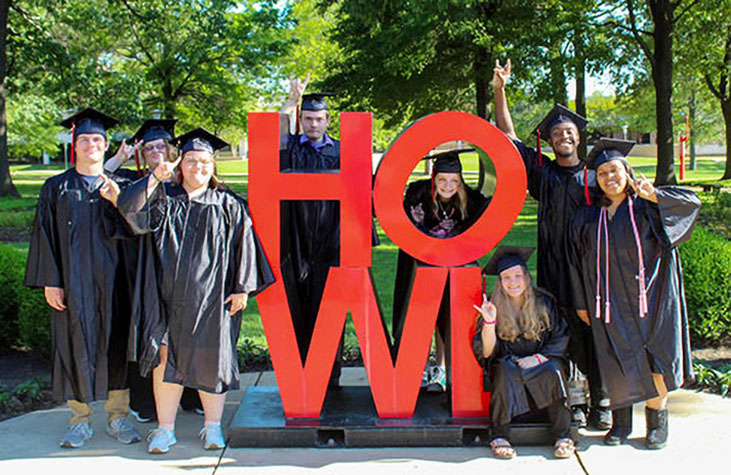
315,101
506,257
448,162
606,149
89,121
200,140
155,129
558,115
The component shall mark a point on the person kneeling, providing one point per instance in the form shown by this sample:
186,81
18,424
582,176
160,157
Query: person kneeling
520,340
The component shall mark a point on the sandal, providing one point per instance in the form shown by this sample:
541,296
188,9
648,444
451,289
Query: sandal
564,448
502,449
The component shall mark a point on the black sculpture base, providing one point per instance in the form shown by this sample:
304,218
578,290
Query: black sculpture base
349,419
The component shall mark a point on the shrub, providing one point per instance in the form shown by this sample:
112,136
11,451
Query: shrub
706,269
33,321
12,269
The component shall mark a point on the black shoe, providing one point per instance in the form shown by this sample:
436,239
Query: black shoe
657,428
600,418
578,416
621,426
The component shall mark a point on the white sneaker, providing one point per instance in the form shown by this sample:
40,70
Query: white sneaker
160,440
76,435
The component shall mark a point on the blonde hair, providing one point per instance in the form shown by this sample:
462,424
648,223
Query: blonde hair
461,196
530,321
214,182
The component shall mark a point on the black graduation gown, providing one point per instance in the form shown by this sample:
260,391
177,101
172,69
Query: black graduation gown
559,192
310,238
509,384
629,349
419,193
206,250
138,268
71,247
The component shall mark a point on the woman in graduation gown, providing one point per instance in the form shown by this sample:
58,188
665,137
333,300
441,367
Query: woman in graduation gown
627,275
520,340
209,263
442,207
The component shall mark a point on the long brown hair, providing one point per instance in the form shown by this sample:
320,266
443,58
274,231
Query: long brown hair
459,200
529,321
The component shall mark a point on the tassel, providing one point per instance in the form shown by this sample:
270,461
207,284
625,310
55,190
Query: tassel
586,185
538,147
297,120
607,306
137,161
73,139
643,307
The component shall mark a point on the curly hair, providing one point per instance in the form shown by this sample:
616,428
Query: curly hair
530,321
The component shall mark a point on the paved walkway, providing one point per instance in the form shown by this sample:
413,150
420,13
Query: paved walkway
700,439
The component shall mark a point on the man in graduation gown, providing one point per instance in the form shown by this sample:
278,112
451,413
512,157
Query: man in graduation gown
626,268
560,186
73,257
310,229
154,140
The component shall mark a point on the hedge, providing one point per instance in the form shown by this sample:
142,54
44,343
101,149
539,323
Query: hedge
706,262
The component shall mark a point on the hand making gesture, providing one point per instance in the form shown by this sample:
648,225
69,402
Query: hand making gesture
109,190
644,188
487,310
501,75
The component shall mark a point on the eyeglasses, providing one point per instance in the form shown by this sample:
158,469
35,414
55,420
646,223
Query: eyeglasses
151,148
189,162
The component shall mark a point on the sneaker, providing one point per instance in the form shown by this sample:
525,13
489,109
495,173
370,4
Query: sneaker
160,440
212,437
437,380
123,431
77,434
199,411
578,416
600,418
140,417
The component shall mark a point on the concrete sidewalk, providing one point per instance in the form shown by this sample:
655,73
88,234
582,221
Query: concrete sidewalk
700,438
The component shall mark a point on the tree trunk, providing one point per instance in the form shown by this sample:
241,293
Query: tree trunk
726,108
662,75
580,98
481,81
6,182
558,81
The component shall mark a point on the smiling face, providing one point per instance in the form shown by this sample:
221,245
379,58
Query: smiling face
514,281
197,168
314,124
612,179
446,185
89,149
564,139
155,152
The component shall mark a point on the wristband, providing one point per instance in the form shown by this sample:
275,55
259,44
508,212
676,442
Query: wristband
538,358
491,322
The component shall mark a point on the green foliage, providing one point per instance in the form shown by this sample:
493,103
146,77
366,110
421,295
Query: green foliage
253,355
30,391
33,321
706,268
12,269
4,399
716,380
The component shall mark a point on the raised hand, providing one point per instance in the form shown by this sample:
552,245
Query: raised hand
487,310
237,301
501,74
644,188
109,190
417,213
164,171
297,88
55,297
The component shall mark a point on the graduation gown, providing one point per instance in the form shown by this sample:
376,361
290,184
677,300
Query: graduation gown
72,248
629,348
139,285
511,385
206,250
559,192
417,194
310,237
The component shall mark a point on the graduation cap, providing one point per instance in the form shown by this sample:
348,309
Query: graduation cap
199,140
88,121
606,149
558,115
316,101
448,162
155,129
506,257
